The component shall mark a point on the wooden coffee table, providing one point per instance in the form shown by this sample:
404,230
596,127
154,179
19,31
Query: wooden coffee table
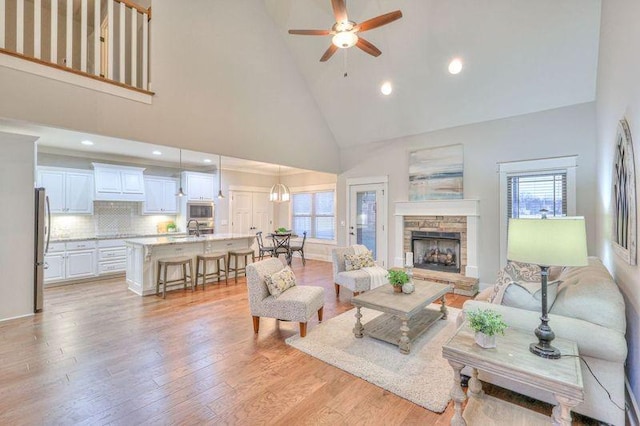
405,315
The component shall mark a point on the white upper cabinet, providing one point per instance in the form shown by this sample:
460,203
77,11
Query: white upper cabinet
160,196
199,186
69,191
118,183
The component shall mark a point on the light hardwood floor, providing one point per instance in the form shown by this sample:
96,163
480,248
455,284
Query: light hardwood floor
100,354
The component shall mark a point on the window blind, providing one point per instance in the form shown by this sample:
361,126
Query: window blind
528,194
314,212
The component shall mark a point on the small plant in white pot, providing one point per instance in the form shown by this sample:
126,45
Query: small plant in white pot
486,323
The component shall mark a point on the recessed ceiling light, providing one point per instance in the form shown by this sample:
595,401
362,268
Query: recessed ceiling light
455,66
88,143
156,152
207,160
386,88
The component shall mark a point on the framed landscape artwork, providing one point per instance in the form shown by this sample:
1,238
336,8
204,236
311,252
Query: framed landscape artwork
624,196
436,173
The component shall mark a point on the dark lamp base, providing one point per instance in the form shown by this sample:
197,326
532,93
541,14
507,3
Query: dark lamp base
547,351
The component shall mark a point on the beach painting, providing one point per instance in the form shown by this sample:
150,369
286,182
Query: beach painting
436,173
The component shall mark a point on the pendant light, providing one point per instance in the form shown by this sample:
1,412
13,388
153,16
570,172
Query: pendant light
279,192
180,191
220,196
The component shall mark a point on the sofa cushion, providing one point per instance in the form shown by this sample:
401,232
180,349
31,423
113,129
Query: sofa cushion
280,281
357,280
529,295
354,262
590,293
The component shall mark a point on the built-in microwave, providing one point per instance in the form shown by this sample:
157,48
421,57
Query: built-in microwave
200,212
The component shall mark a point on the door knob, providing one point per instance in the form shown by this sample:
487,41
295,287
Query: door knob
351,233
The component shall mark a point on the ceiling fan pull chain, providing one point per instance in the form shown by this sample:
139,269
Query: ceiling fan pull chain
346,74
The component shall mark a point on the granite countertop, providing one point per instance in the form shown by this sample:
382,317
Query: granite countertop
115,237
168,240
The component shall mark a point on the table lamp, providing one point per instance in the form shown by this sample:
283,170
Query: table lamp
547,242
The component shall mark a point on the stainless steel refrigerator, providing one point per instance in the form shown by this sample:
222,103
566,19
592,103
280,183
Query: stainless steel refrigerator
41,246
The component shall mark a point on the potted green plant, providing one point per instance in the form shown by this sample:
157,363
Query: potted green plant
397,279
486,323
171,227
282,230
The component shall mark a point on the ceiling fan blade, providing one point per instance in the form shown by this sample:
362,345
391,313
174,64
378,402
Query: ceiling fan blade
339,10
368,47
379,21
329,53
310,32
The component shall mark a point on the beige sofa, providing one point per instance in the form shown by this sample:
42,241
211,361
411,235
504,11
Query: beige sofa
590,310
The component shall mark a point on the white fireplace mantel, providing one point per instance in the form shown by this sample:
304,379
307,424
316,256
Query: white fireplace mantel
466,207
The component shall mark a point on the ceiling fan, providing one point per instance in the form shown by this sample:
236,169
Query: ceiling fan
346,33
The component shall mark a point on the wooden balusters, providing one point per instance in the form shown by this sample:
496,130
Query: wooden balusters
37,28
145,51
54,32
69,50
83,35
122,26
20,26
97,30
134,47
3,19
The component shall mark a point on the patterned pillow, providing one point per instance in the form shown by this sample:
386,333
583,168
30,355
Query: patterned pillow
353,262
502,281
280,281
523,271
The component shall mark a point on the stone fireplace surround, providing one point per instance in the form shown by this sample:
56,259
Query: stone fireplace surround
444,215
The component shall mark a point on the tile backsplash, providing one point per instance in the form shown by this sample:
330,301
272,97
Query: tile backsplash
109,218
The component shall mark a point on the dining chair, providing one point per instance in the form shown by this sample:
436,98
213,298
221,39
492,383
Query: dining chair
300,248
281,245
262,249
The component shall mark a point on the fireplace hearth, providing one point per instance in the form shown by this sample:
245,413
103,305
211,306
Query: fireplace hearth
437,251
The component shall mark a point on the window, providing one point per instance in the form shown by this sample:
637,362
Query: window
314,212
528,195
526,187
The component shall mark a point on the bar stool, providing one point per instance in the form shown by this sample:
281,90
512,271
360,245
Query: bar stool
163,265
220,262
244,253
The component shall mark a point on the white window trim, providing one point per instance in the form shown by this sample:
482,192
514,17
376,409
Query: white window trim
566,165
317,188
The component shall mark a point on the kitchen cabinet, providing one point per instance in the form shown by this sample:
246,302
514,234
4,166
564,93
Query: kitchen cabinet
160,196
70,191
199,186
118,183
112,256
70,261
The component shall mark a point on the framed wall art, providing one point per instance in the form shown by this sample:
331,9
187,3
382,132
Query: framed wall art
624,233
436,173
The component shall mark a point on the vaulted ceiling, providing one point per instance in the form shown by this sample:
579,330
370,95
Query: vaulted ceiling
519,56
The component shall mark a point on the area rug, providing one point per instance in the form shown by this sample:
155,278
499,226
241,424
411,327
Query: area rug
422,376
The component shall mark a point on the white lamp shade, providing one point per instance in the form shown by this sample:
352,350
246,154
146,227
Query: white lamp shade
279,192
548,242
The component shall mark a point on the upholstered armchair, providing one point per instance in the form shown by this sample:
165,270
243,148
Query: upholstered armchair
357,281
298,303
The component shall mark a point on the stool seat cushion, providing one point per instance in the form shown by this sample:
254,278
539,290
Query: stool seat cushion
241,251
212,256
175,260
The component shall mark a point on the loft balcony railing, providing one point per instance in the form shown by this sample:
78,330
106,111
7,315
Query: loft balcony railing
105,40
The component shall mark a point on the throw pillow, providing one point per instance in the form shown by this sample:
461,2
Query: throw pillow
503,280
528,295
280,281
523,271
353,262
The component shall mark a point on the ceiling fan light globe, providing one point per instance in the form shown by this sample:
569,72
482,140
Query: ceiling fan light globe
345,39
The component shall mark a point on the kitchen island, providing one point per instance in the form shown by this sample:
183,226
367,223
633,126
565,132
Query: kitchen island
143,255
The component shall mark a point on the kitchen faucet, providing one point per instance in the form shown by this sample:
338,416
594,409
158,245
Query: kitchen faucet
197,233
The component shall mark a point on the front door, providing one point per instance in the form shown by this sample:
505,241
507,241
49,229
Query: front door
367,219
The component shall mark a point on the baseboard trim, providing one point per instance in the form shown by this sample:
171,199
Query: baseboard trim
19,316
633,413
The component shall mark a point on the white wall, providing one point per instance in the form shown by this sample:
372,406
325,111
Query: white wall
17,158
222,88
558,132
618,96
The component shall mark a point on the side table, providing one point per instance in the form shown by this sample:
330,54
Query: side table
512,359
